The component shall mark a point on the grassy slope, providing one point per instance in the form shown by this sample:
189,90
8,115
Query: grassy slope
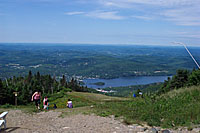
176,108
85,103
84,99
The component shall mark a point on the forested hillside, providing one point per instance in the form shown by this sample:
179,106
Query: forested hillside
26,86
94,61
183,78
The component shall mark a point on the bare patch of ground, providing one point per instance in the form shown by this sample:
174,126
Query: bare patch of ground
53,122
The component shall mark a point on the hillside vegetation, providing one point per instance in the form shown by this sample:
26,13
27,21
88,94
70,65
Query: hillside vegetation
173,109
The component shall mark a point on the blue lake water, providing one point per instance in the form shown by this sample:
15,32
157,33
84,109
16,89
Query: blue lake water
125,81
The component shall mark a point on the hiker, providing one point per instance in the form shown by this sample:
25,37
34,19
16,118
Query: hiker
45,103
36,97
141,95
69,103
54,106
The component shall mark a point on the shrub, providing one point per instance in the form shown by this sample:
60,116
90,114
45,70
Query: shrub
7,106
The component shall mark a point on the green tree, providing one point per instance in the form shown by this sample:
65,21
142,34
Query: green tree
63,81
29,76
38,76
194,78
3,93
180,79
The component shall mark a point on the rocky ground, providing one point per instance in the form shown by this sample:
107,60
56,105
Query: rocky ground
51,122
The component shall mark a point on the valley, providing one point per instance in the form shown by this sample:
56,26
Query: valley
93,61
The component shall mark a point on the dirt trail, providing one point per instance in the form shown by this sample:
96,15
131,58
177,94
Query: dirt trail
50,122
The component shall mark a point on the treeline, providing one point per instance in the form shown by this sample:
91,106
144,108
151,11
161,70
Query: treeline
26,86
183,78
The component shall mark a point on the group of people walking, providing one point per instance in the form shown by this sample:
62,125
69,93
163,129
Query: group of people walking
37,96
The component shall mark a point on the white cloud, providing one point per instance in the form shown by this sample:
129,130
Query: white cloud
143,17
180,12
195,35
112,15
105,15
74,13
149,2
189,16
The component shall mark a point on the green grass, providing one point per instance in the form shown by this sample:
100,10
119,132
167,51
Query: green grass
81,99
25,108
174,109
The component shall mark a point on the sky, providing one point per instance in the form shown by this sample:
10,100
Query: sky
138,22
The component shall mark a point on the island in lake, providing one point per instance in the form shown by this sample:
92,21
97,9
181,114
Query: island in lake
98,83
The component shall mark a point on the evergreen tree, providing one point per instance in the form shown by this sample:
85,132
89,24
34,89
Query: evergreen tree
63,81
29,76
38,76
26,86
180,79
3,93
194,78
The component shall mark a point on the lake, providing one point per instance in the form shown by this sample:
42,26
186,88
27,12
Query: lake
124,81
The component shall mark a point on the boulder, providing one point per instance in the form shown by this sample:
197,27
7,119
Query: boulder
153,130
165,131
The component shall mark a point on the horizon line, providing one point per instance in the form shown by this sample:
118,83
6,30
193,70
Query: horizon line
99,44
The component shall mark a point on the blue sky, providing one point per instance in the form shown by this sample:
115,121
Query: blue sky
148,22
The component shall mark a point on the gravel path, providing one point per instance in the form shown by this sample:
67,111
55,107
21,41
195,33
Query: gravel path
50,122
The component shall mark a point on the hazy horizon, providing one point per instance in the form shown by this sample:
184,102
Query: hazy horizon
92,44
